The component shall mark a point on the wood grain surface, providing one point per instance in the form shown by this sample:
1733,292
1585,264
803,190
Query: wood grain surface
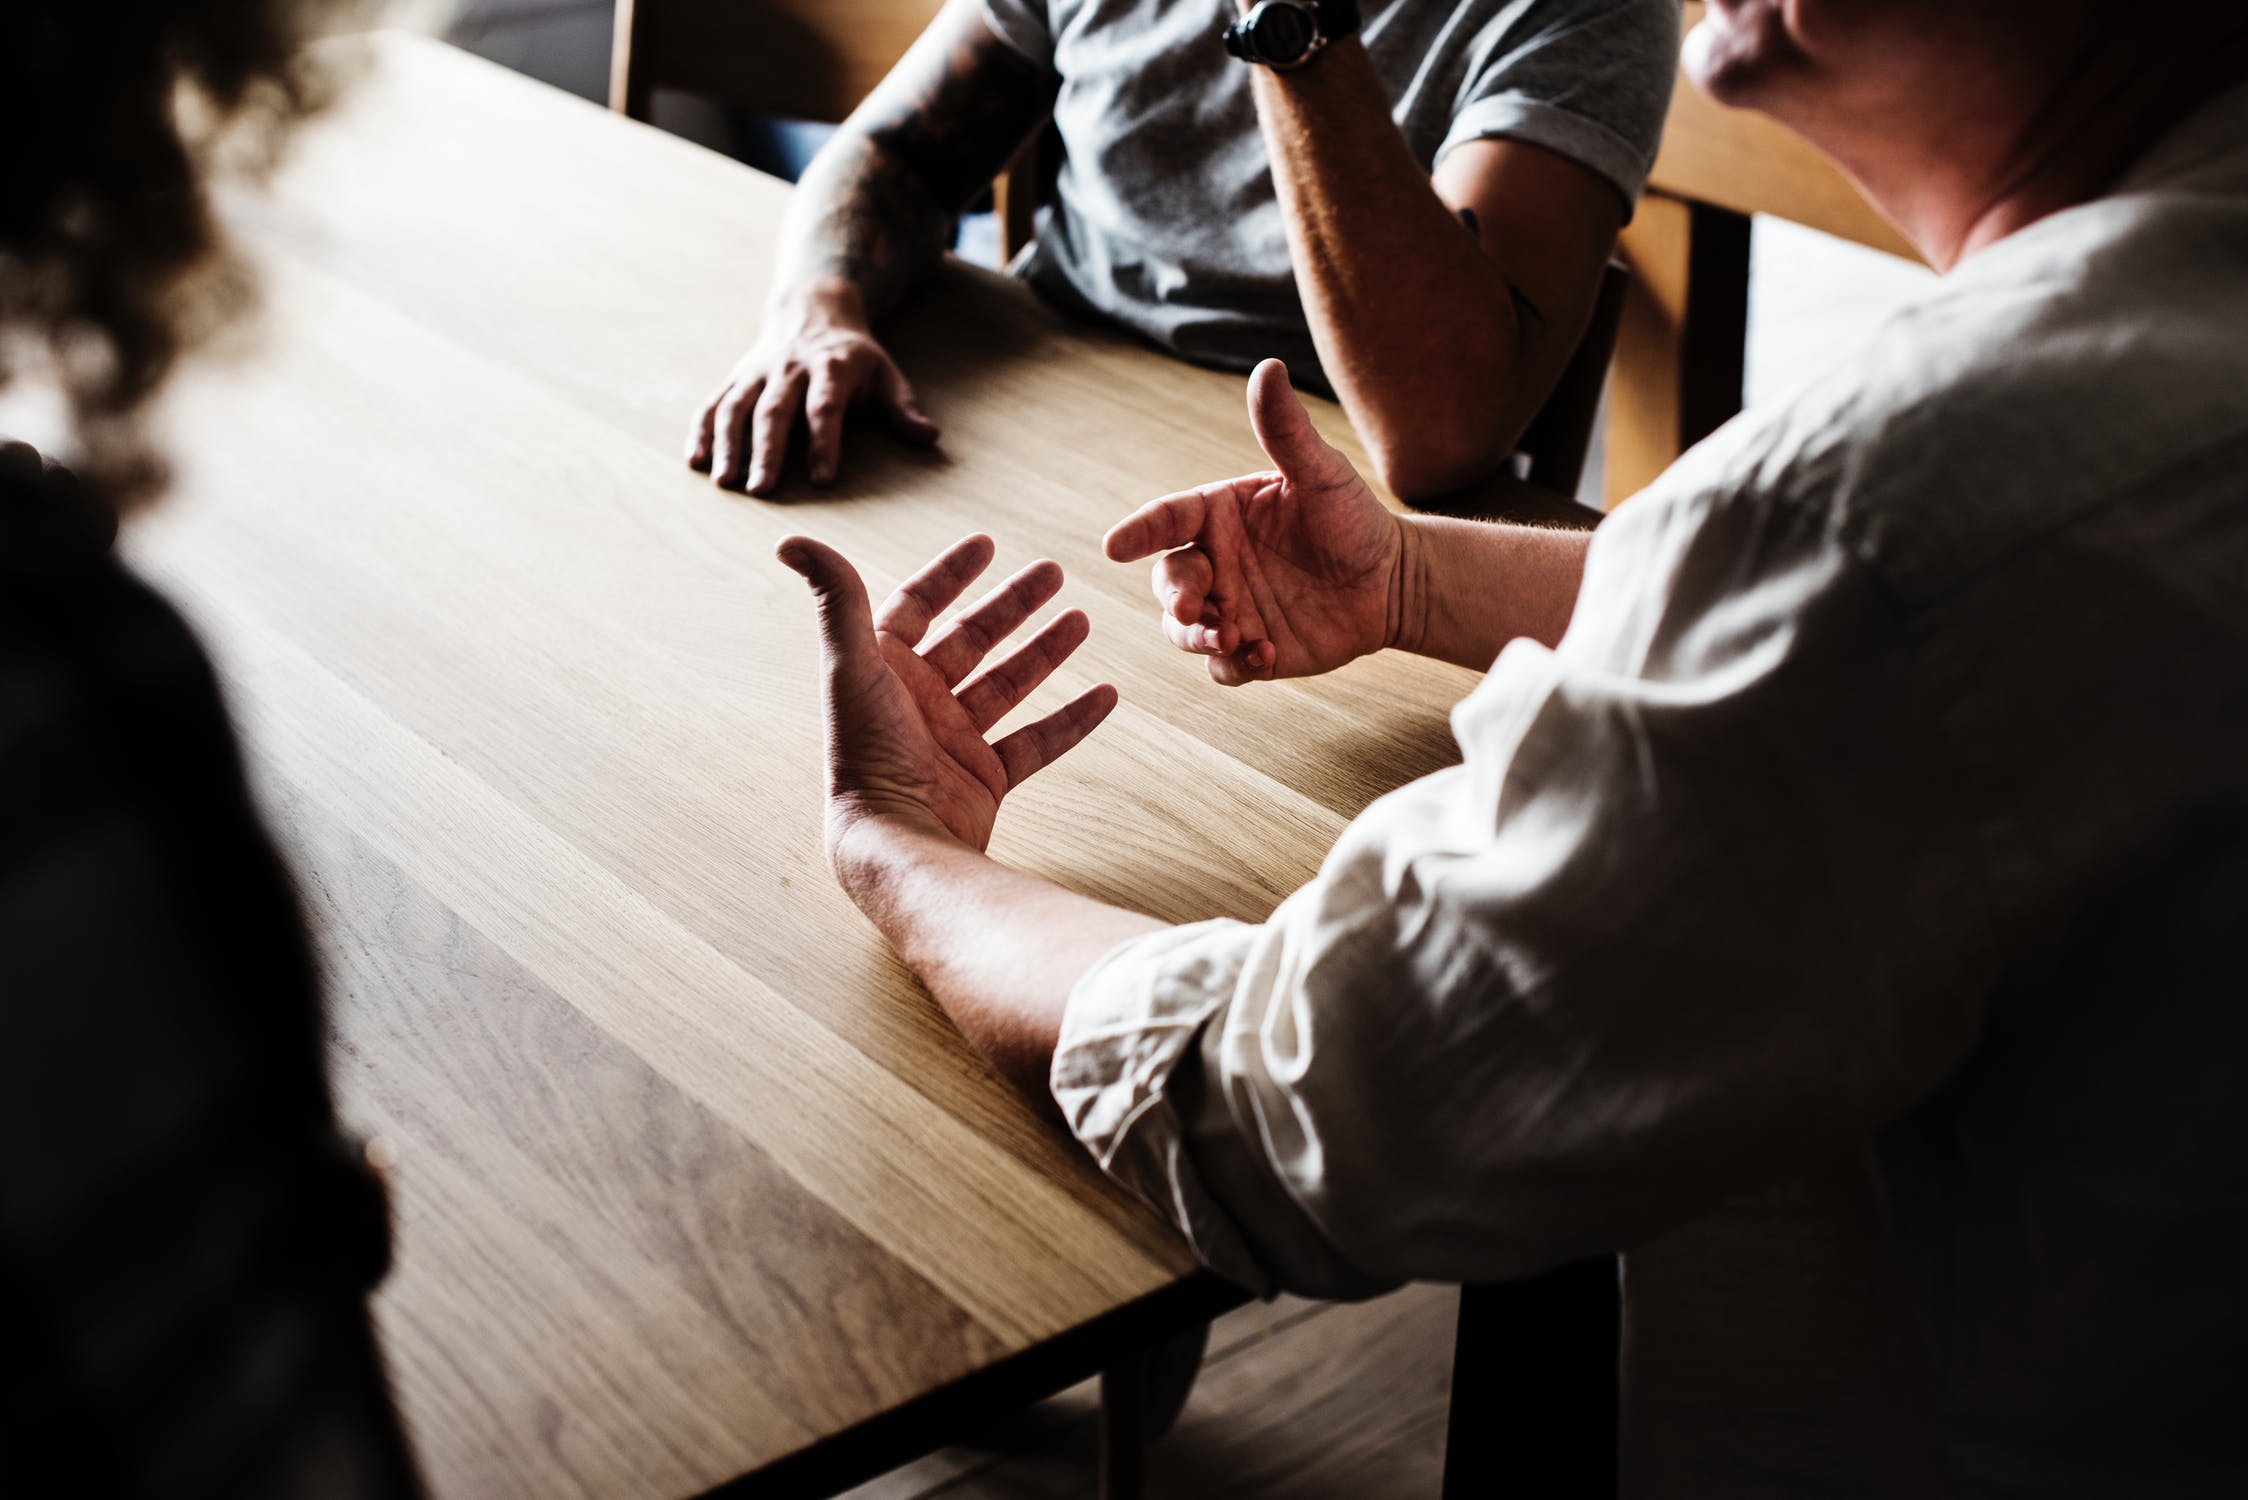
691,1174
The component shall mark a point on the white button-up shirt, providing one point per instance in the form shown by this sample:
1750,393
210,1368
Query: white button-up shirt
1867,866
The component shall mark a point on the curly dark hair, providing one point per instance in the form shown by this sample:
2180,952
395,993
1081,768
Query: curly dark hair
117,116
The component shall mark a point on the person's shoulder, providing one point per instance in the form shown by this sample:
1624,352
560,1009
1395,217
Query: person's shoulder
1647,25
86,649
2078,367
1589,80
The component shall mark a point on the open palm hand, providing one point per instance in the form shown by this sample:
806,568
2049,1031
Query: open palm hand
1286,573
905,721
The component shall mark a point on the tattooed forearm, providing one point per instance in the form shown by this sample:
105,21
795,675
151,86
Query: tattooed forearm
877,205
866,220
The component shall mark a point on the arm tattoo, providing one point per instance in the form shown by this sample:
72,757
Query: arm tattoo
877,205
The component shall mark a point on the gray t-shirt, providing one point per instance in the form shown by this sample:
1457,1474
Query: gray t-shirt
1165,218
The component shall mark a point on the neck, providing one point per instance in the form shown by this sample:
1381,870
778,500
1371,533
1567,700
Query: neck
1953,189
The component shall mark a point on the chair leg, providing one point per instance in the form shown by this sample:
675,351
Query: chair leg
1534,1387
628,88
1681,348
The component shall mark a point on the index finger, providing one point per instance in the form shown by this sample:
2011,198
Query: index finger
908,612
1157,526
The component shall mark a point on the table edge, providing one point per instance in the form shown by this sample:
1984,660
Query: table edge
902,1434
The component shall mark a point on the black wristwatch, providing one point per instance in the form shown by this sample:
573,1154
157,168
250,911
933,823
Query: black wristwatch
1284,34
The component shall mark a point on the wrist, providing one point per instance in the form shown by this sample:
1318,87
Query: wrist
869,841
826,302
1409,588
1281,36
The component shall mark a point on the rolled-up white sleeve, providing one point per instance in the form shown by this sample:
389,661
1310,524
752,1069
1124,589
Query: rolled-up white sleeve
1701,901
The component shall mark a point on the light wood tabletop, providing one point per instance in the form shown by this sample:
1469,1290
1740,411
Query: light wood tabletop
695,1186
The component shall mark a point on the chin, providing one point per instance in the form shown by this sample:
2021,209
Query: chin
1732,54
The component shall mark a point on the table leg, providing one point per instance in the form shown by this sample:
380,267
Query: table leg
1534,1387
1141,1397
1123,1450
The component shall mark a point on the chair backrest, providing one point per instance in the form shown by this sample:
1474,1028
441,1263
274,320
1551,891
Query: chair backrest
795,59
1560,437
1747,163
791,59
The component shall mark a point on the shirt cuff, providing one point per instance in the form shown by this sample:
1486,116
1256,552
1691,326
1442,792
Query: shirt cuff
1564,132
1133,1021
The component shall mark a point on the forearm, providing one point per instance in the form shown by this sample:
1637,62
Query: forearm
1466,588
1415,324
861,230
874,211
1000,950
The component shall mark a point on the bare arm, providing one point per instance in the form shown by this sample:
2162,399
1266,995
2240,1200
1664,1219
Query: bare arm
868,221
875,208
913,790
1442,332
1000,950
914,787
1466,588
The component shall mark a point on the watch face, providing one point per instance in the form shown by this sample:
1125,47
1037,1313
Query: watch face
1283,32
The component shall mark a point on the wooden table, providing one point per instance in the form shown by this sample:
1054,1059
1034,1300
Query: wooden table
696,1187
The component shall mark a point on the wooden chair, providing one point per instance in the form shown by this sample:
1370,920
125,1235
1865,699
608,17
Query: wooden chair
1680,350
796,59
809,60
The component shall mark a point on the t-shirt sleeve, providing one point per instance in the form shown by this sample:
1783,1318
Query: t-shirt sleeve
1024,26
1586,79
1695,907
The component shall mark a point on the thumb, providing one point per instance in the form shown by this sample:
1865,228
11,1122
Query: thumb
846,618
1283,427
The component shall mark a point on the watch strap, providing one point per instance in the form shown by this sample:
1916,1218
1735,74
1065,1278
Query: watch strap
1338,18
1334,20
